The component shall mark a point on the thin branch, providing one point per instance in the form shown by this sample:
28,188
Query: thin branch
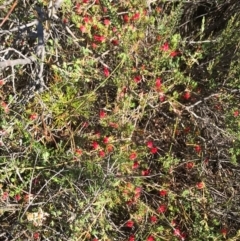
16,51
23,27
14,62
200,101
26,60
5,19
201,42
53,7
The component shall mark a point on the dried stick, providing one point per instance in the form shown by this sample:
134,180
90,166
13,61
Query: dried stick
5,19
26,60
34,22
14,62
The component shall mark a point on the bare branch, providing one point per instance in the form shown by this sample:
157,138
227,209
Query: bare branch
10,11
23,27
14,62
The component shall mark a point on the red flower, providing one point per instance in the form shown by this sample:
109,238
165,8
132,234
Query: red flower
106,22
187,129
133,156
85,124
1,82
78,9
163,193
218,107
165,47
187,95
36,235
85,1
99,38
154,150
113,125
138,191
137,79
174,53
95,145
146,172
158,83
82,29
87,19
5,196
189,165
106,71
101,153
94,46
125,18
206,161
115,42
135,165
176,232
223,231
124,89
65,21
105,139
17,197
200,185
129,224
183,236
5,107
153,219
236,113
110,148
130,202
131,238
105,9
162,208
150,144
33,116
198,148
136,16
150,238
102,114
78,152
162,97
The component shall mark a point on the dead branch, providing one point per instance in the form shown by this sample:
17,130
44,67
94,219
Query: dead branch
23,27
14,62
10,11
